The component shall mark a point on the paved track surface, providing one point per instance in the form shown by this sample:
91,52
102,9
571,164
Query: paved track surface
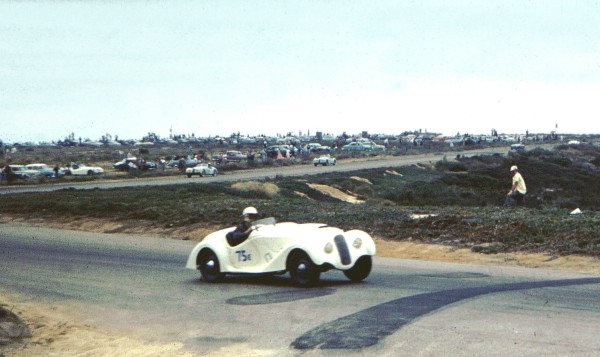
403,308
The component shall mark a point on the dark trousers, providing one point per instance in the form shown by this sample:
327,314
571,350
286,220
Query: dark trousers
515,199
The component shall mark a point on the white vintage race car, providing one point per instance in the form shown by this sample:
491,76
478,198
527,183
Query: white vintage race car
324,160
201,170
304,249
77,169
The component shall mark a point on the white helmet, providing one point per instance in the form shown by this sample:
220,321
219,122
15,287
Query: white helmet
249,210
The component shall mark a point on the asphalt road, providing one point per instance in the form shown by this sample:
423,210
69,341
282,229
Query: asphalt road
404,307
253,174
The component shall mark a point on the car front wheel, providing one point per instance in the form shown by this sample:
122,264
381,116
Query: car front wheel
209,267
360,270
302,270
189,175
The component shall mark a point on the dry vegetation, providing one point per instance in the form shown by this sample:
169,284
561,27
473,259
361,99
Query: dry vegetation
457,203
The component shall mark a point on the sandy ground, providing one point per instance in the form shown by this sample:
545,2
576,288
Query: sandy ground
58,331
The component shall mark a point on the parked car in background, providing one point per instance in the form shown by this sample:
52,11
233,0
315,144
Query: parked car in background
318,148
324,160
126,164
186,162
45,170
148,165
132,163
376,147
234,156
272,151
78,169
517,147
356,146
201,170
21,172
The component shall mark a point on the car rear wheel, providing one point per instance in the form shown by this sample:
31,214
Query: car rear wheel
360,270
302,269
189,175
209,267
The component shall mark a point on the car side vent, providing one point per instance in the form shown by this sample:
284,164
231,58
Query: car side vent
342,247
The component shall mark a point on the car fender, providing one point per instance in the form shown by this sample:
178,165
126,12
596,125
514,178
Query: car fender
342,253
324,245
216,242
367,243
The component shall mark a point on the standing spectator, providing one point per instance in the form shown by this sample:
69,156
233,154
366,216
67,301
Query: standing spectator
8,174
56,168
518,190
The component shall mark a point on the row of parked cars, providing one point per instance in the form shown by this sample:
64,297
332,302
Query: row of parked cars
363,146
44,170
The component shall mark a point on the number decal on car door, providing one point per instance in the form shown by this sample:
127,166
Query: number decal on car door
242,256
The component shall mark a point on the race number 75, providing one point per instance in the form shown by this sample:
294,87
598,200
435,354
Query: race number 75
242,256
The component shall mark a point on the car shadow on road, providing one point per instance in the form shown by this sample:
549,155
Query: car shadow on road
273,281
292,293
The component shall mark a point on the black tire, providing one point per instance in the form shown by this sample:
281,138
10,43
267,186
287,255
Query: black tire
201,173
316,165
360,270
189,175
302,269
209,267
90,173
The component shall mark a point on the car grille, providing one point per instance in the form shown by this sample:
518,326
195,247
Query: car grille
342,247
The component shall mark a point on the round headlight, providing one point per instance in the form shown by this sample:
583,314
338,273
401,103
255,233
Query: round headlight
357,243
328,248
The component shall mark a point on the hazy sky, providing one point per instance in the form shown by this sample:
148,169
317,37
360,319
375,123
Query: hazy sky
216,67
